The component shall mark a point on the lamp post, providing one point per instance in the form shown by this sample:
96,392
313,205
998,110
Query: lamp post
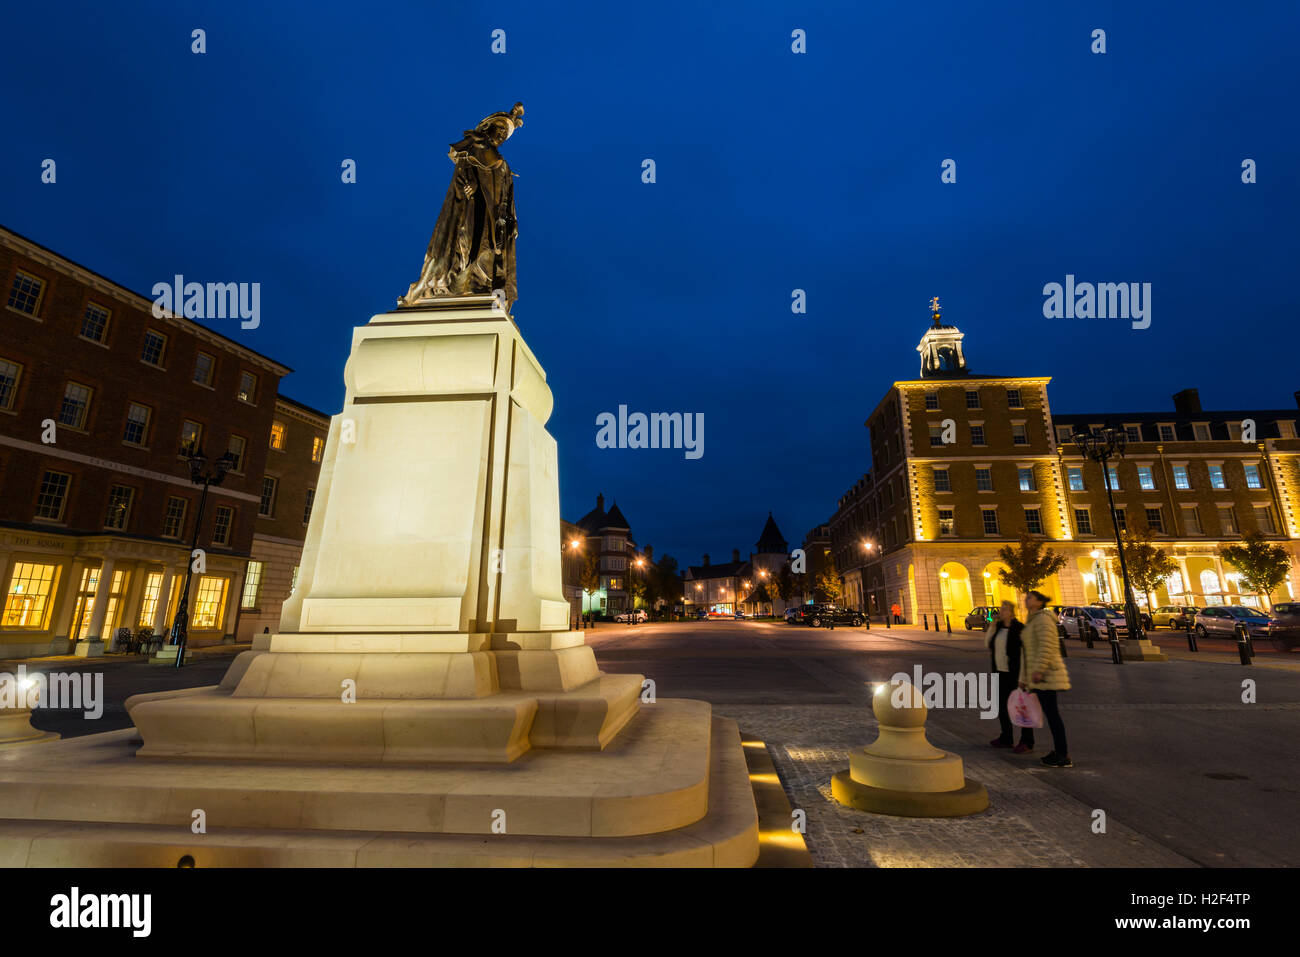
199,475
1101,445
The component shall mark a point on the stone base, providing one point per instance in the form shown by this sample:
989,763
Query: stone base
92,649
166,655
970,799
671,790
1143,650
16,728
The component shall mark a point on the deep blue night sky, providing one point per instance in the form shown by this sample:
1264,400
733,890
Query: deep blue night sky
776,171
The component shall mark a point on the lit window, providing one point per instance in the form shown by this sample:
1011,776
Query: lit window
191,437
209,602
306,510
277,436
317,448
52,495
247,387
984,480
1145,478
945,521
977,435
266,508
149,598
1252,477
155,345
1216,477
118,512
137,424
94,323
252,584
76,403
941,481
1083,521
1181,479
204,367
1019,434
9,373
990,521
221,525
1114,477
1155,519
174,517
29,599
1076,479
25,293
1034,521
1027,482
235,446
1013,399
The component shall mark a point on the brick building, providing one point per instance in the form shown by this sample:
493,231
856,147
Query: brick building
98,397
607,535
964,463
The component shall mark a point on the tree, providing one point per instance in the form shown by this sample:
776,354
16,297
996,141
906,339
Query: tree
828,581
1147,565
1263,566
666,582
589,577
1029,564
784,583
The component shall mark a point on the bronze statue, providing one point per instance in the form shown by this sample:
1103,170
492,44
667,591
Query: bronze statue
472,250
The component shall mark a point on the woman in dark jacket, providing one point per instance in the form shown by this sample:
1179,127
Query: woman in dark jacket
1003,640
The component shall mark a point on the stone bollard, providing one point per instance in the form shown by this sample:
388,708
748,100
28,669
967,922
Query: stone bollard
901,772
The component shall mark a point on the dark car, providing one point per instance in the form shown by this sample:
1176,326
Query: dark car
820,616
979,617
1285,630
1220,621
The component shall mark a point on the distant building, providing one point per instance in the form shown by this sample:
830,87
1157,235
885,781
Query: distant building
749,584
608,537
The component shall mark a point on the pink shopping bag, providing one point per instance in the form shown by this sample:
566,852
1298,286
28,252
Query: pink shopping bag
1024,709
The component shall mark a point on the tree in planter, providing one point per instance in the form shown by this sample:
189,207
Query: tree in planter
589,578
1263,565
1147,565
1029,564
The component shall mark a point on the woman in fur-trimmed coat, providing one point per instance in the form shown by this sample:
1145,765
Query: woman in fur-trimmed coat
1042,671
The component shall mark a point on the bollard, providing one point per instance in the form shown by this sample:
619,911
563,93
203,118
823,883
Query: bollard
866,621
887,617
947,621
925,621
1060,636
1116,655
1089,635
1243,642
1191,636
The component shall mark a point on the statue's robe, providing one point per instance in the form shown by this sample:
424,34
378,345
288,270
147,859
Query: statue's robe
472,249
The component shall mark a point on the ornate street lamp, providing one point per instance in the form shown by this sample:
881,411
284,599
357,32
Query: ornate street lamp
1101,445
199,475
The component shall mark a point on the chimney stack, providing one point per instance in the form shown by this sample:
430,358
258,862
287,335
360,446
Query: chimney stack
649,551
600,501
735,554
1189,400
1297,400
706,559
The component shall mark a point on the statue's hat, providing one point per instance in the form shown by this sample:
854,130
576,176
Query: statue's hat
512,120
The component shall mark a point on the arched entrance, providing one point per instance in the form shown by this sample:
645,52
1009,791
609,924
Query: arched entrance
955,590
995,591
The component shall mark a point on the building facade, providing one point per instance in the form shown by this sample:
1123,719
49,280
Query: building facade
607,535
748,585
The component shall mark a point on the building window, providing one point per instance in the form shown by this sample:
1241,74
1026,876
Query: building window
945,521
932,400
1264,519
317,448
266,508
1227,520
1121,519
76,404
29,600
221,523
1155,520
1286,429
977,435
990,521
1064,434
306,509
9,373
1083,521
1075,476
936,435
1114,478
53,495
1202,431
204,368
1027,482
94,323
1216,477
25,294
1013,399
118,513
149,598
1146,480
209,602
1034,521
984,480
236,446
614,584
941,481
174,517
191,437
1234,431
1191,520
137,424
1253,479
1019,434
1166,433
277,436
1133,433
247,387
1181,479
252,584
155,346
972,399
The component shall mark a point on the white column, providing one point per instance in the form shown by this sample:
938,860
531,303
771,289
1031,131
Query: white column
164,600
102,593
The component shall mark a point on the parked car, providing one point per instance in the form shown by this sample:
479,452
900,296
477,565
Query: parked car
794,615
1285,630
979,617
819,616
628,617
702,614
1220,621
1143,616
1080,621
1173,616
740,615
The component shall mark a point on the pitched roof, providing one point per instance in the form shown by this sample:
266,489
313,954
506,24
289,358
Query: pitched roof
726,570
614,518
771,540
